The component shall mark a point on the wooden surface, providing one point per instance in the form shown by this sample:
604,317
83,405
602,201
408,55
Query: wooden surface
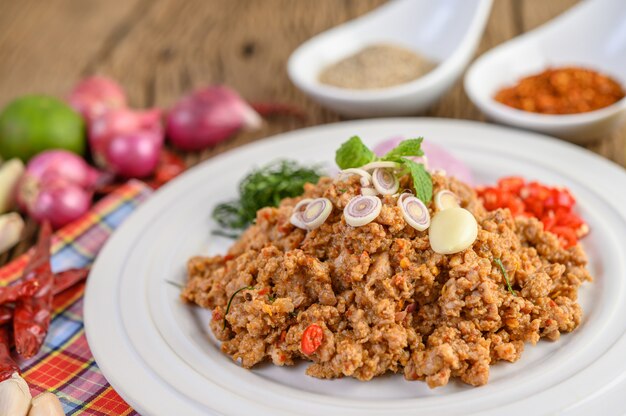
160,49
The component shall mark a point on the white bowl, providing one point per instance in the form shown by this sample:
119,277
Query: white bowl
592,34
444,31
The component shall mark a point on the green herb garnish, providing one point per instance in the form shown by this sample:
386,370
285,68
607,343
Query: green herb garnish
506,276
354,153
264,187
271,298
231,300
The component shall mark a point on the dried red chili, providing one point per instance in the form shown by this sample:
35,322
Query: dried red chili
31,317
312,338
8,366
567,90
68,278
6,314
23,289
267,109
552,206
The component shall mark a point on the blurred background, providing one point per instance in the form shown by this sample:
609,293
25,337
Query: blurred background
160,49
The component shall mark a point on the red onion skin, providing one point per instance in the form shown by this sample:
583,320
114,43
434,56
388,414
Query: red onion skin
59,202
61,164
134,155
122,122
94,96
208,117
438,158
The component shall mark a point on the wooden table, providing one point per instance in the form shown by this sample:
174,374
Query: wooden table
160,49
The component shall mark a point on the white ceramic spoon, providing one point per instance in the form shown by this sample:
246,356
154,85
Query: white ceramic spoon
445,31
592,34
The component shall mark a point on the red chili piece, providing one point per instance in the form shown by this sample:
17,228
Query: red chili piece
7,365
169,167
554,207
6,314
278,109
68,278
312,338
31,317
23,289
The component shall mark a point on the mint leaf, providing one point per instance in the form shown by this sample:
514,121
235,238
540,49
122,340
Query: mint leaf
353,154
411,147
422,181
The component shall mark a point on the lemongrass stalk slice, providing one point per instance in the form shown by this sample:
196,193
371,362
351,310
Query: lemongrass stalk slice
384,181
296,216
316,213
46,404
362,210
414,211
368,191
366,178
10,174
14,396
445,199
381,164
452,231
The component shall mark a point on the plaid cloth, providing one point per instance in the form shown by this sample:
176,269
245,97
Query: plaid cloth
65,365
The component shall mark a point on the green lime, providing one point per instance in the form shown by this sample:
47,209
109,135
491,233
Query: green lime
35,123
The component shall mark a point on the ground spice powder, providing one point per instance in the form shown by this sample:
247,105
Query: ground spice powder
566,90
377,66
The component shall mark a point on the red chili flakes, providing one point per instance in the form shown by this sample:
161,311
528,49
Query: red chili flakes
567,90
554,207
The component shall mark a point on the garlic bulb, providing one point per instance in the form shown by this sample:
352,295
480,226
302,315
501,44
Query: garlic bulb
46,404
14,396
452,230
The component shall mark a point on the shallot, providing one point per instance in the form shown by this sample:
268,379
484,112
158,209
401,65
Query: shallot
133,155
60,164
122,122
362,210
414,211
209,116
94,96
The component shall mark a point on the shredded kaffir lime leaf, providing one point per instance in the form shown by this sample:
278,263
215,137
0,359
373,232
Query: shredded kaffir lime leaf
231,301
506,276
264,187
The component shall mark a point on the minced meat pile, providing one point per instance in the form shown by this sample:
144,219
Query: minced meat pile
385,301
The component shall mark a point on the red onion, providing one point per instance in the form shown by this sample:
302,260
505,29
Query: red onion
133,155
59,202
209,116
94,96
61,164
362,210
414,211
122,122
438,158
385,181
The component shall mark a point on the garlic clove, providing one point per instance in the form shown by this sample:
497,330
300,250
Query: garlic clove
10,173
452,231
14,396
11,227
46,404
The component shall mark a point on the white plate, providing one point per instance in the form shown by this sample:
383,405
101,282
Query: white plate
158,353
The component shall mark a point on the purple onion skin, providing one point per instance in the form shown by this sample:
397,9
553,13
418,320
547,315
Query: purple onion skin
60,203
61,164
134,155
438,158
207,117
94,96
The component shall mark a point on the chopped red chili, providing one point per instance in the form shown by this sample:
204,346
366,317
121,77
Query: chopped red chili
8,366
312,338
554,207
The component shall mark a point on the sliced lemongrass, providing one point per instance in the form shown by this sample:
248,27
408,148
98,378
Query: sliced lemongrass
296,217
316,212
366,178
452,231
445,199
368,191
381,164
384,181
414,211
362,210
